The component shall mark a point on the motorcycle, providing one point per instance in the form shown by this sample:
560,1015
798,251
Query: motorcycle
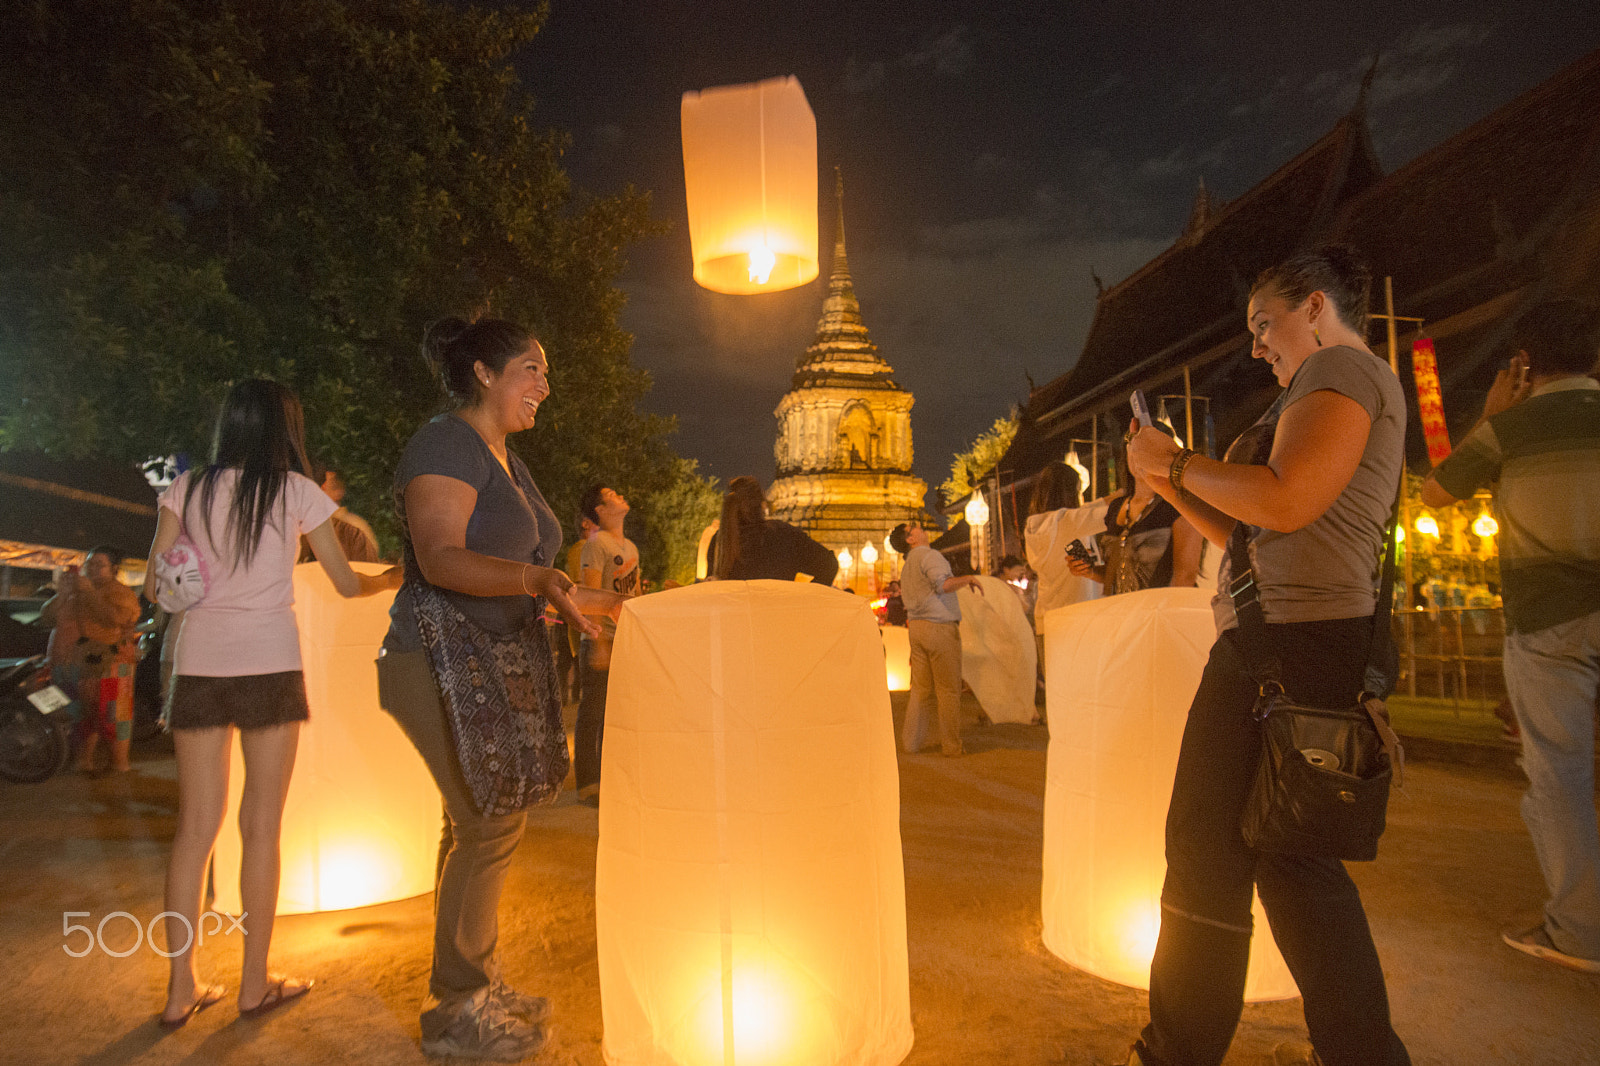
37,722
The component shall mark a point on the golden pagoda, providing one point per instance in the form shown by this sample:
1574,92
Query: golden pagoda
844,438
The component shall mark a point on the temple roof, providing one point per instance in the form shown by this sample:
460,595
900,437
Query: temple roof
842,355
1202,280
1503,214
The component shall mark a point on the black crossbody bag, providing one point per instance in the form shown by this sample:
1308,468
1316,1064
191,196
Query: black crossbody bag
1322,783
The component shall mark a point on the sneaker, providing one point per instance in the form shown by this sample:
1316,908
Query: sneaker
1537,942
1295,1053
485,1029
530,1009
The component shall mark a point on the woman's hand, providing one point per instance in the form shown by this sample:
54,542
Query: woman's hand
561,600
1150,454
1080,568
556,587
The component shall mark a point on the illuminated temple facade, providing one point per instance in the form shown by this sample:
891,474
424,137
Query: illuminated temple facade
844,437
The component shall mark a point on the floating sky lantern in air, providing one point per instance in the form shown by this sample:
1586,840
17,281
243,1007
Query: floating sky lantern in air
749,887
750,170
361,824
1120,675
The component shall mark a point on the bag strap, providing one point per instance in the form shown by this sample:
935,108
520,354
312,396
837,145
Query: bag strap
1264,666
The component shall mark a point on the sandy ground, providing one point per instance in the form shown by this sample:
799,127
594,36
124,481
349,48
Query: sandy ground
1456,866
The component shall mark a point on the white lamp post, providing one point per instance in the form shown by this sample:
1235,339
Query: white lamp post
869,558
977,514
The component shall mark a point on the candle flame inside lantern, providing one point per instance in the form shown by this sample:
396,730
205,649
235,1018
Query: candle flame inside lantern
761,263
762,1022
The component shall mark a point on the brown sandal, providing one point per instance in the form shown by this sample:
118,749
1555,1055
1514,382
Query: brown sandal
275,998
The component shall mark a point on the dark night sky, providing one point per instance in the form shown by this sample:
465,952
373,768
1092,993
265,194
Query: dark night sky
991,162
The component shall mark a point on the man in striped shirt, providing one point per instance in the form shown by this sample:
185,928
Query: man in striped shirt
1539,437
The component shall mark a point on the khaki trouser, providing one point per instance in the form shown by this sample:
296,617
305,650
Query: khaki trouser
935,685
474,850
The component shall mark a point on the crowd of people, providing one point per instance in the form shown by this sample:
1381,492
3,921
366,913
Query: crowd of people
1307,492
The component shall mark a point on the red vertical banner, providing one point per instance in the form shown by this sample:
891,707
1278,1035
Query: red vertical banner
1430,401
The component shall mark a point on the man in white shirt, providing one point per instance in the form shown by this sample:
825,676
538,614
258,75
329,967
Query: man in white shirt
928,590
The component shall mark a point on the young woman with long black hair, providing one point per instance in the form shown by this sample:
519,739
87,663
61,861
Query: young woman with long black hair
238,668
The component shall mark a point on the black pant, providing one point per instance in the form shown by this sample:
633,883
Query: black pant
1198,973
588,732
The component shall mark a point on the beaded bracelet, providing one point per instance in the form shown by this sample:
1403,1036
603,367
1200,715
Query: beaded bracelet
1179,464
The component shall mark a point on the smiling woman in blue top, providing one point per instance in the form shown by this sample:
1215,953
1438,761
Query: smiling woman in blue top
479,534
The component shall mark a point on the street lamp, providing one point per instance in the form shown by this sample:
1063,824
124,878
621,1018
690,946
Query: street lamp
869,558
977,514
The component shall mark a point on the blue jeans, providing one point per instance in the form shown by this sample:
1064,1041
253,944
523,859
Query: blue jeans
1553,676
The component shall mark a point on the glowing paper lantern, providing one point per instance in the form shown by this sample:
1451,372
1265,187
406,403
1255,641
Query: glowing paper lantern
1082,471
998,658
361,824
977,511
749,889
750,169
897,657
1120,675
702,564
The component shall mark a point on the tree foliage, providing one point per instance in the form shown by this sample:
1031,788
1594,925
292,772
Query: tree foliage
197,191
969,466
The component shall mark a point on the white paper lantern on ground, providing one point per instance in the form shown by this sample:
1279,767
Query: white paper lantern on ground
897,657
361,824
750,172
749,889
998,658
1120,674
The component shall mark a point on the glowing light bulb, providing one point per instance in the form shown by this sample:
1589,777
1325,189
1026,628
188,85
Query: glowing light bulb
1427,525
869,554
844,559
887,546
977,511
1485,526
1399,534
761,263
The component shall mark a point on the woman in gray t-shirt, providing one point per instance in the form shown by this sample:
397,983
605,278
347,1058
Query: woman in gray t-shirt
481,548
1315,505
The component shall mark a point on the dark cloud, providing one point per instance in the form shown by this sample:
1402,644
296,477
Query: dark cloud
994,157
949,54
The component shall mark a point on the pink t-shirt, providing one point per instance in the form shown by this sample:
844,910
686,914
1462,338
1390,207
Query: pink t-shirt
245,624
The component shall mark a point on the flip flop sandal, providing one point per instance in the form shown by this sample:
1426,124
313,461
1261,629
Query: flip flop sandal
275,998
209,995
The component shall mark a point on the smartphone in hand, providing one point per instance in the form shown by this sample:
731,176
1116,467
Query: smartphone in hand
1076,550
1141,408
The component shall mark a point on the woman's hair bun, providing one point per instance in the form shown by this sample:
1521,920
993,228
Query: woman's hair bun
438,337
454,346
